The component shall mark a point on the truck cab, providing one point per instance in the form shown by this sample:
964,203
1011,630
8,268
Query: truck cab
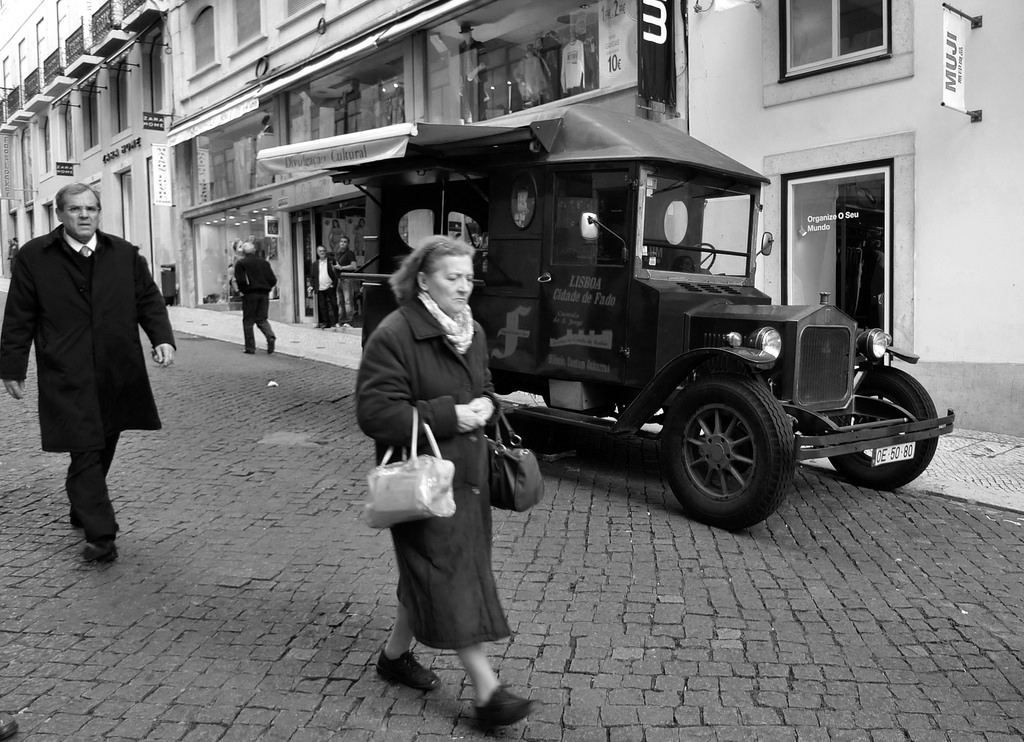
614,276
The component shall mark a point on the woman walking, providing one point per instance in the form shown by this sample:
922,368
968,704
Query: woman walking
430,354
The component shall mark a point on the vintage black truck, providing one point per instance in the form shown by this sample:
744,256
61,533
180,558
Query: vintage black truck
615,281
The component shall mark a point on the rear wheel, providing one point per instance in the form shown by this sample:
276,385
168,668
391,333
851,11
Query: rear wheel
727,451
903,390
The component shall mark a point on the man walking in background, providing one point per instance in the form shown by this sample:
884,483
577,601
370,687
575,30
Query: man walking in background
255,278
80,296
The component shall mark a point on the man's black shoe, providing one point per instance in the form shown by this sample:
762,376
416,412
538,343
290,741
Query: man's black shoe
249,351
407,671
74,520
100,551
8,726
504,708
270,345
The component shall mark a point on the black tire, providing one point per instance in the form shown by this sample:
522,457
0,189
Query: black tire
900,388
727,451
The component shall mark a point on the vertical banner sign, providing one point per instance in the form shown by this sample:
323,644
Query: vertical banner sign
161,176
6,166
656,51
954,44
203,174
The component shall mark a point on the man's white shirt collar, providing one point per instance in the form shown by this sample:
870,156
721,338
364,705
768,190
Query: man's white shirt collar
77,246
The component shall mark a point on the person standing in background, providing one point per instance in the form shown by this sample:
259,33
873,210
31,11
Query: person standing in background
323,280
345,261
80,297
255,279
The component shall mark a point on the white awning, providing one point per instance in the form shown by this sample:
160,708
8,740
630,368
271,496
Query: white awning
219,116
346,149
386,143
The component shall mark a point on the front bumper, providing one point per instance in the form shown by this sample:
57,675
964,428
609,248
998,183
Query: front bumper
825,437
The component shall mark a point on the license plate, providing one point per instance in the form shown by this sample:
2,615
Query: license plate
889,454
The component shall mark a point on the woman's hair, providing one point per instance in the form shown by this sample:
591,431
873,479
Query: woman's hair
424,258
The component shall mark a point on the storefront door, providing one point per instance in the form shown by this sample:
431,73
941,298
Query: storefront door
838,227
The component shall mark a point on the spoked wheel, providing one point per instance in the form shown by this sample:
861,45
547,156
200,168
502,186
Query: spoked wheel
901,389
727,451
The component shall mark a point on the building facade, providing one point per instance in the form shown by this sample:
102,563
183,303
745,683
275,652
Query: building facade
256,74
880,194
85,99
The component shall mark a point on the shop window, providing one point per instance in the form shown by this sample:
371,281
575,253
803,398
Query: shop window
248,21
218,239
366,95
824,34
837,232
517,55
203,45
604,194
225,158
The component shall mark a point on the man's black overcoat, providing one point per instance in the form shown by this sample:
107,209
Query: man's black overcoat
91,368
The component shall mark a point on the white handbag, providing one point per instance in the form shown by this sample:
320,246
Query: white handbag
418,487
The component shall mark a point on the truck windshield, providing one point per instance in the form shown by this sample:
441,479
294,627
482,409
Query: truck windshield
696,225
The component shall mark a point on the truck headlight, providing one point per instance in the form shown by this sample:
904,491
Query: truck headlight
767,340
873,343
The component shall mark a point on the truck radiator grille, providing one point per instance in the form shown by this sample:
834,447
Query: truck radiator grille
825,367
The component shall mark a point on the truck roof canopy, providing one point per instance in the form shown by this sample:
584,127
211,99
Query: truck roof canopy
577,133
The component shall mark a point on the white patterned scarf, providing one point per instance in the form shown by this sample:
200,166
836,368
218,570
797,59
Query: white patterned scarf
458,330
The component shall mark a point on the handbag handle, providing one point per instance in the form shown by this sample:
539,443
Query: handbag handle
412,445
514,438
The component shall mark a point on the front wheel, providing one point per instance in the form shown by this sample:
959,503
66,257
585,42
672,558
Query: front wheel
903,390
727,451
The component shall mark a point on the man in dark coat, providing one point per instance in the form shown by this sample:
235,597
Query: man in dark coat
255,278
80,296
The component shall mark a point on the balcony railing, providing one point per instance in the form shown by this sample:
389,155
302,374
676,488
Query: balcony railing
105,20
32,84
75,45
130,6
53,67
14,100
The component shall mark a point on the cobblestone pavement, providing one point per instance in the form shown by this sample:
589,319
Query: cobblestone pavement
249,601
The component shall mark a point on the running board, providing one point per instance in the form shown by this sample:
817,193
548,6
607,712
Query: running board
575,419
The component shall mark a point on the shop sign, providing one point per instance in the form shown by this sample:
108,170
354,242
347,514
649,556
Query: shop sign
153,121
161,176
271,226
64,168
656,78
616,38
6,166
203,174
124,149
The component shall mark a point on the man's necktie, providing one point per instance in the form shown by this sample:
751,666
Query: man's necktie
86,252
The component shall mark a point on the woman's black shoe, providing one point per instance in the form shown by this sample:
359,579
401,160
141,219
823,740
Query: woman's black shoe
504,708
407,671
8,726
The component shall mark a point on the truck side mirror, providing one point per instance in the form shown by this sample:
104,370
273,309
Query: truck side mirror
767,241
588,226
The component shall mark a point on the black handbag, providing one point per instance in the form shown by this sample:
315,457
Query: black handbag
515,479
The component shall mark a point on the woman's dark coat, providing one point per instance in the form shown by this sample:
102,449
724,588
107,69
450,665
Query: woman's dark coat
91,368
445,579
